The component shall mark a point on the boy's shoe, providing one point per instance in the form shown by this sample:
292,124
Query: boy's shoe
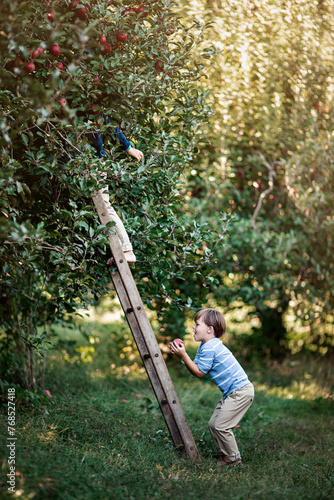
224,463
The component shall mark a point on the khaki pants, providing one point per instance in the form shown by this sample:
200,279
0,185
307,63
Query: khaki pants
119,227
226,416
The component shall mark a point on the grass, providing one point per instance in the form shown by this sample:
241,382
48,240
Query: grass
102,436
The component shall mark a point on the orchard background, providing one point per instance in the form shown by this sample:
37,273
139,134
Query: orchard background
231,103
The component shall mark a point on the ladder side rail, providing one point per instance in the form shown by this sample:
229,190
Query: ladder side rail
147,332
147,361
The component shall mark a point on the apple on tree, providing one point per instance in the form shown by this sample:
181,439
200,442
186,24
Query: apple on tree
81,13
55,50
170,31
73,5
127,11
62,101
141,11
159,66
30,67
106,49
121,37
95,109
38,52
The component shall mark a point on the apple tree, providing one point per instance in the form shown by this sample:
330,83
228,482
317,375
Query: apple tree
65,65
268,161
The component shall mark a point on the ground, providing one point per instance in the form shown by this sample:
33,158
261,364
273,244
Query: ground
102,436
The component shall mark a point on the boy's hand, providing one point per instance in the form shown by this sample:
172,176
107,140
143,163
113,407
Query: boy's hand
135,153
177,349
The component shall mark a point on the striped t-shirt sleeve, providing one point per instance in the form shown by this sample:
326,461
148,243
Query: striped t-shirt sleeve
204,358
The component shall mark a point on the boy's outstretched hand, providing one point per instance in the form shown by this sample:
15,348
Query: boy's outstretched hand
135,153
179,350
176,348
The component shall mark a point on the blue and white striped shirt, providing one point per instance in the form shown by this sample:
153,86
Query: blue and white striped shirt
215,359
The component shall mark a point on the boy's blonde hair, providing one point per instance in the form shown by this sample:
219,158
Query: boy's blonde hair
213,318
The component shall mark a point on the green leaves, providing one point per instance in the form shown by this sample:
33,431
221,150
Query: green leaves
55,252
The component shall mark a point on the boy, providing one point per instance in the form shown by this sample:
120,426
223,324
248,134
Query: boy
215,359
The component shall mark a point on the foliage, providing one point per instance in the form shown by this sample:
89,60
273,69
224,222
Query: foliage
268,160
63,63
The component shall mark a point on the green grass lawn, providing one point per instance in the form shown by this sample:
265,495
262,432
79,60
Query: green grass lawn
102,436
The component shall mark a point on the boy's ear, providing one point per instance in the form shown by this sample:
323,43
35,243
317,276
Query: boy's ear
210,329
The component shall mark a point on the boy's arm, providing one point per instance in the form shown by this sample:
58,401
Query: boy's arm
136,153
181,352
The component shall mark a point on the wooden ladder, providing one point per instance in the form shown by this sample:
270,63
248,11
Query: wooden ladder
147,344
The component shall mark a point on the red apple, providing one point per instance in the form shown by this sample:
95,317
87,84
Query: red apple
38,52
140,10
73,5
55,50
51,17
102,39
96,79
170,31
10,65
62,101
30,67
126,12
95,108
159,66
106,49
81,13
179,342
121,37
60,66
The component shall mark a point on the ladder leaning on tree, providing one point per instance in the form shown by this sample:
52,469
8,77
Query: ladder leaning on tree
147,344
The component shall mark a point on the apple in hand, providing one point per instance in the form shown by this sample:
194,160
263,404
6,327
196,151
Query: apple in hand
179,342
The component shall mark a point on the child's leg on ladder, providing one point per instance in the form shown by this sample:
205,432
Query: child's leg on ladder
119,229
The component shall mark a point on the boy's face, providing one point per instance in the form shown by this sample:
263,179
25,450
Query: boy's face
202,332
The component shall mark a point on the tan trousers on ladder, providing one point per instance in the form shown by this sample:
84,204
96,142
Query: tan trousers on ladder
119,227
226,416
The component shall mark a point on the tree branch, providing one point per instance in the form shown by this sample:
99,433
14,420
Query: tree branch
272,174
